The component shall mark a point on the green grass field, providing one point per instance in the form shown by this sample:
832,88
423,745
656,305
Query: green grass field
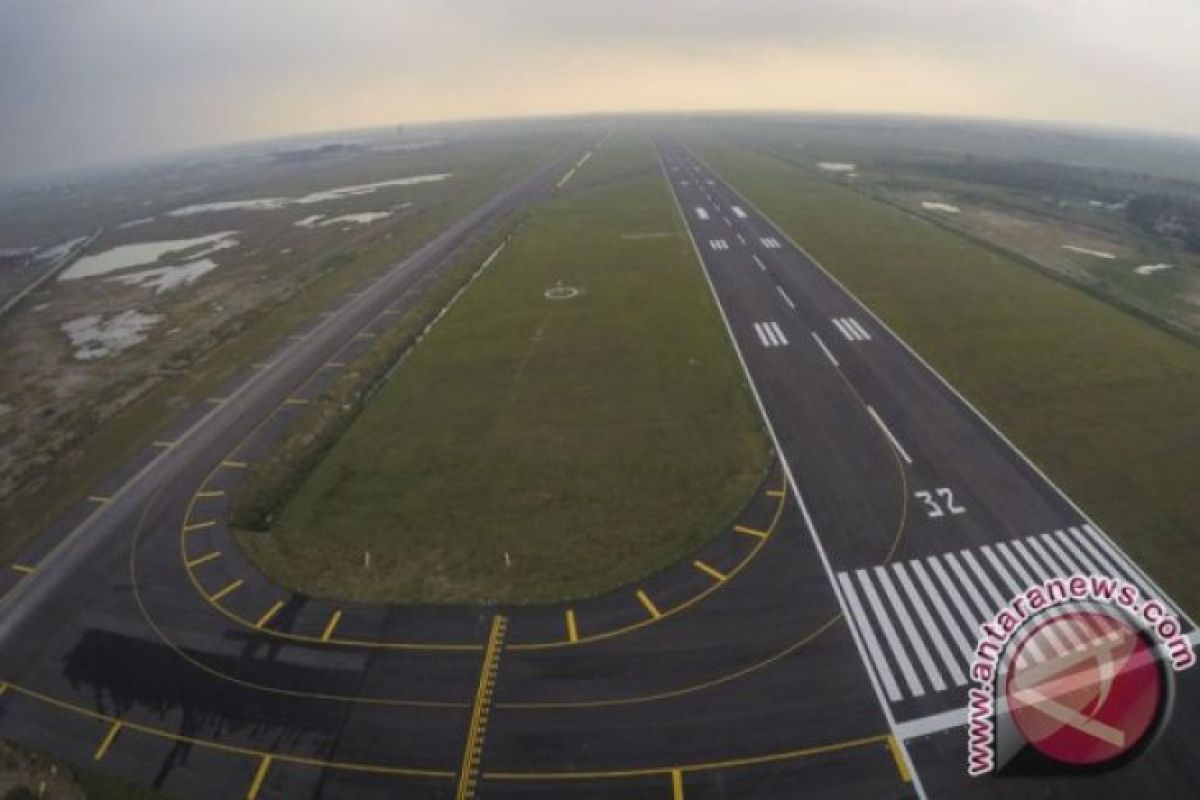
531,449
105,447
1104,402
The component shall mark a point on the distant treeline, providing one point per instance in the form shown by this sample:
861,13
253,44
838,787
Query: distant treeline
1170,215
1165,211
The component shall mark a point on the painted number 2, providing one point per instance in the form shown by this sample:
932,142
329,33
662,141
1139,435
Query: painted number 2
939,503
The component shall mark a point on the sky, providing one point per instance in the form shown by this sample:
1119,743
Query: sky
85,82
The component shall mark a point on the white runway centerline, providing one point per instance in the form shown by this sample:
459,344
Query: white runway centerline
824,349
886,432
785,297
759,262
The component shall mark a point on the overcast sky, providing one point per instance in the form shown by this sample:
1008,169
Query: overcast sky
89,81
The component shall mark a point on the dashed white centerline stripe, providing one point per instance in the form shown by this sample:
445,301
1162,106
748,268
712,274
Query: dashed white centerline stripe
895,442
786,299
759,262
824,349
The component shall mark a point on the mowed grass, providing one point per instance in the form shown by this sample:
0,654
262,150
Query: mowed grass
535,450
1106,404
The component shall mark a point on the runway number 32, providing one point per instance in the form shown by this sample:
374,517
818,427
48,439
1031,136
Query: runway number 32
939,503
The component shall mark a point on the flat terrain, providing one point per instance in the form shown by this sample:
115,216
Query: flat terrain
1102,400
69,423
535,449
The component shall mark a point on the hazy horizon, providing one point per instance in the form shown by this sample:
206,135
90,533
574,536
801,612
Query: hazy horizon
98,82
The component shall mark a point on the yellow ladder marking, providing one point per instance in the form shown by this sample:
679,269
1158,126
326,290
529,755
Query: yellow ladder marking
331,626
204,559
215,401
269,614
260,775
750,531
211,493
234,464
649,604
95,498
199,526
106,743
710,571
365,335
164,444
775,493
572,631
295,401
335,364
468,776
230,589
24,569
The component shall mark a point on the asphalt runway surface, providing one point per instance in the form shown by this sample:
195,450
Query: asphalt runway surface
136,639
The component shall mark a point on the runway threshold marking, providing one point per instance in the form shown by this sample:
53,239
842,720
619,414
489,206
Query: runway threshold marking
260,775
331,626
712,572
204,559
648,604
269,614
468,776
572,631
227,590
107,741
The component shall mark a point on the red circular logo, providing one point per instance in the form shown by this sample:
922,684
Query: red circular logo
1084,687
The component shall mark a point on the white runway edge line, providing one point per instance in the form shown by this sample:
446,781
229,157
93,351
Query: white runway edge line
1149,582
785,297
825,349
891,438
884,706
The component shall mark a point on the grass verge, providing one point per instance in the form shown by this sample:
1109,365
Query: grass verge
531,449
1103,401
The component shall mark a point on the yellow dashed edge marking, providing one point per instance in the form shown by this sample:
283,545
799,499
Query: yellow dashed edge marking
228,590
712,572
106,743
24,569
204,559
750,531
901,767
331,626
648,604
260,775
269,614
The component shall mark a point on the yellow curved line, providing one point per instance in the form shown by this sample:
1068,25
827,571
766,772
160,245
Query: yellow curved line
463,647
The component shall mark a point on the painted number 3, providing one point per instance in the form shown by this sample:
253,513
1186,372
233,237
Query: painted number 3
939,503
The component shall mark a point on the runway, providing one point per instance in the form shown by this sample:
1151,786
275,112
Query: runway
814,648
